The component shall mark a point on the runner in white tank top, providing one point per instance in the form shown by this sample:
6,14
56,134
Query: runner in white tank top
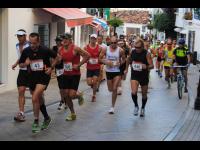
114,56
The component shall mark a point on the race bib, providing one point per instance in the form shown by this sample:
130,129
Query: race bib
169,60
37,65
59,72
114,63
137,66
93,61
68,66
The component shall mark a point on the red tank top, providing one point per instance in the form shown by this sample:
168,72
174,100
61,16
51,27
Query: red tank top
93,63
160,52
69,59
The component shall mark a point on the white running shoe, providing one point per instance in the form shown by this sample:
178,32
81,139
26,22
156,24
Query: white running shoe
142,113
136,111
119,90
61,106
111,111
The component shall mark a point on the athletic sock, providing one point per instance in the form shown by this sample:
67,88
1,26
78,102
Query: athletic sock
144,101
134,98
44,111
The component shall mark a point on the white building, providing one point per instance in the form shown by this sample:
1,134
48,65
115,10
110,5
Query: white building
188,28
40,20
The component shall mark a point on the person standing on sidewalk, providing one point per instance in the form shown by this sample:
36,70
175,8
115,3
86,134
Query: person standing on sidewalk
93,66
182,58
141,62
38,57
70,54
23,76
59,73
102,70
112,57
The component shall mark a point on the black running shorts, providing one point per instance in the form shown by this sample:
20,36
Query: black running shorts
143,80
39,78
92,73
60,82
112,75
71,82
23,78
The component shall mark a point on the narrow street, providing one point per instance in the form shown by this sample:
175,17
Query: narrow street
93,123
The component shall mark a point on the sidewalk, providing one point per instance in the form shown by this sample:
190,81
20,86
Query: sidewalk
188,128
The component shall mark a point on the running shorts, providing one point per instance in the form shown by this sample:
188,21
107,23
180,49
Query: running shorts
112,75
71,82
92,73
23,78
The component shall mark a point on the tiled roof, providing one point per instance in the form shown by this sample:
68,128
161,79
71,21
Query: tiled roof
132,16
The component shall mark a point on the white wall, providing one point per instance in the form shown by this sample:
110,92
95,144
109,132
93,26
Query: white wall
19,18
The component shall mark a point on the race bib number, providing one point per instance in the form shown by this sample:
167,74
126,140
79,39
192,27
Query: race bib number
93,61
169,60
114,63
59,72
37,65
137,67
68,66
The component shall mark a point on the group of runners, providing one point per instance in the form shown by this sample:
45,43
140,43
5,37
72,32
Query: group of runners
113,59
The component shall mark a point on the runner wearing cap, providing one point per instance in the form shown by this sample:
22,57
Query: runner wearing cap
93,66
59,70
70,54
38,57
23,76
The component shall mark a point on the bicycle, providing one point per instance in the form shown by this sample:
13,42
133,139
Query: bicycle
180,80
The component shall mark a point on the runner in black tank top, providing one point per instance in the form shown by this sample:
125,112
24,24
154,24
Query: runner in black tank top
141,62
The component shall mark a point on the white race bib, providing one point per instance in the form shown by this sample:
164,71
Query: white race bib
37,65
68,66
137,67
93,60
59,72
169,60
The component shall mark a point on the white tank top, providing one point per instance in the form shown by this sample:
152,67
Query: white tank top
26,44
113,56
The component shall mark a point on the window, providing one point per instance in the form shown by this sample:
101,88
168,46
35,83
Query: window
143,28
43,30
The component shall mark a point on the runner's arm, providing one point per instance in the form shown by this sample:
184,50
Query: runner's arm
150,62
24,60
101,56
84,54
123,56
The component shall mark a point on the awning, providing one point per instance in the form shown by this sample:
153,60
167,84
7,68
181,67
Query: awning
101,22
96,26
73,16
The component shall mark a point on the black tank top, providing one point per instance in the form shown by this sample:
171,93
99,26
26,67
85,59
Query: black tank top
141,58
60,65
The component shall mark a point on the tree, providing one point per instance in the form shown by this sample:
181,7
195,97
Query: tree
115,22
165,22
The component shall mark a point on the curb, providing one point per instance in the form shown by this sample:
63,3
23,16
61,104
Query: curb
185,115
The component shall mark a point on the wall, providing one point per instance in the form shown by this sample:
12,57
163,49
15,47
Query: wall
14,19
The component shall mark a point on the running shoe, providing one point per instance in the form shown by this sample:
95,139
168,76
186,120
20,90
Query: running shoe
160,75
35,128
80,99
142,112
46,124
71,117
19,117
136,111
111,111
186,90
61,106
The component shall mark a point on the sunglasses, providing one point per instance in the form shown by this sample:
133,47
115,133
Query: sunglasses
137,47
169,44
113,42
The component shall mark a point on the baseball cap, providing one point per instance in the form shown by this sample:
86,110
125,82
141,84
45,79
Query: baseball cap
67,36
162,42
93,35
21,32
58,38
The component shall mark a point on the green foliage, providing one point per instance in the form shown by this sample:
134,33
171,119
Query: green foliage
115,22
163,22
150,26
